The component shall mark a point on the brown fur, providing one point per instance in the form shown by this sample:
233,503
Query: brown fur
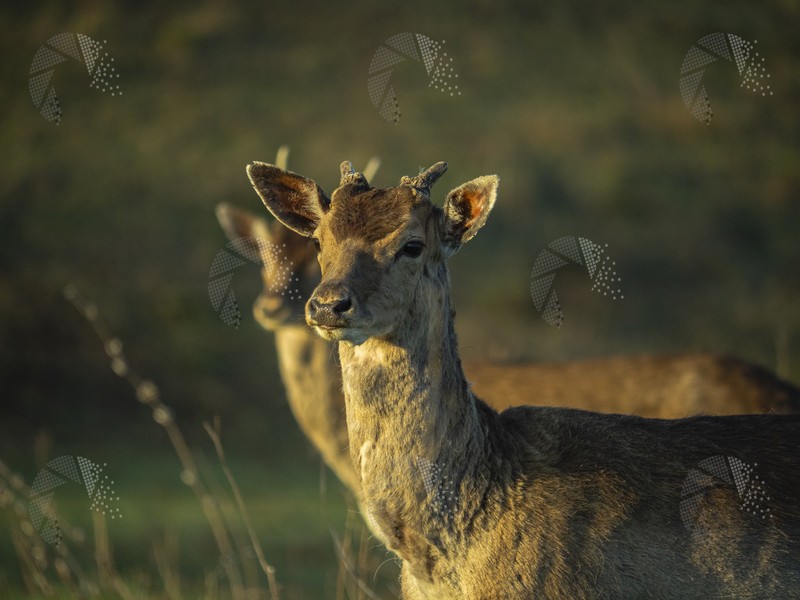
351,214
532,502
664,387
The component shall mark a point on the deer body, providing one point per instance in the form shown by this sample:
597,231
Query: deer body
663,387
532,502
555,503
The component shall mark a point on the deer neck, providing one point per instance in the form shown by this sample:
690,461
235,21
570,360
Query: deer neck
413,423
311,374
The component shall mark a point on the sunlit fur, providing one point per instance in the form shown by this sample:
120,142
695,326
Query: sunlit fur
667,387
551,503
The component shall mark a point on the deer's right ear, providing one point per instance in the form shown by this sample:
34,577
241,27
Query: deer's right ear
297,202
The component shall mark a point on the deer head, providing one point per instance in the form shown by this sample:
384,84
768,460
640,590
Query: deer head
272,309
378,248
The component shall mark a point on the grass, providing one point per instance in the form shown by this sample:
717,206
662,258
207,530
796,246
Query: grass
291,515
213,521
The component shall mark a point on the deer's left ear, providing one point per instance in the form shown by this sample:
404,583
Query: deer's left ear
239,223
466,209
296,201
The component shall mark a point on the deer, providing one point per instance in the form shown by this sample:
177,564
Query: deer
650,386
533,501
308,365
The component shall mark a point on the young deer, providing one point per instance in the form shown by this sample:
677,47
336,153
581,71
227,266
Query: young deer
534,501
309,365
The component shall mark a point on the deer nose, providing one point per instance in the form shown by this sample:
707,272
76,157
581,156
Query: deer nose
270,304
330,306
271,311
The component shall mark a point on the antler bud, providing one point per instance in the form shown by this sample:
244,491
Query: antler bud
347,170
426,178
350,175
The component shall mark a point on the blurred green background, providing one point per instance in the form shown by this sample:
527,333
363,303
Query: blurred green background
575,106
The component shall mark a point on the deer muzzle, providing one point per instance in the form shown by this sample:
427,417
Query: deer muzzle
332,306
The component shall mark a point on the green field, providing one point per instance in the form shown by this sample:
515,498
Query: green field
299,514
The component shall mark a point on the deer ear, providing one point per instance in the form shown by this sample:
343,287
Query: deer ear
248,232
238,223
297,202
466,209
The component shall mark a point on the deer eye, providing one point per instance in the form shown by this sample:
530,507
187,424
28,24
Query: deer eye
315,241
413,249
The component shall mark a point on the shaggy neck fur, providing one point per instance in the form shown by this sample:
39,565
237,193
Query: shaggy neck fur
414,429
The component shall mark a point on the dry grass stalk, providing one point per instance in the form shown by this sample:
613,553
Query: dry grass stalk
31,549
148,394
269,570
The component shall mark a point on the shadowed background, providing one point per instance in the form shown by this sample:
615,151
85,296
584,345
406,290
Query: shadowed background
576,107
